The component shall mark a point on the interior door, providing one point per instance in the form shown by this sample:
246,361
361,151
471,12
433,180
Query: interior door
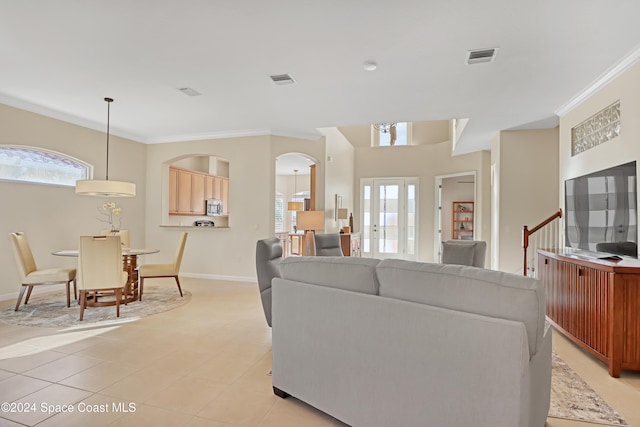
389,218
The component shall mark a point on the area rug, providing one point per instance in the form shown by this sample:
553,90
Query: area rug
50,309
574,399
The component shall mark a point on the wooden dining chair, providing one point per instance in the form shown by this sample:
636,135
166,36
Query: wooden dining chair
148,271
31,276
100,270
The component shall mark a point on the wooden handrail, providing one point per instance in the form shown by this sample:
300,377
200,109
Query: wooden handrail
526,233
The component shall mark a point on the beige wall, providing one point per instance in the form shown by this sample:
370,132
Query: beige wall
527,169
425,162
54,217
625,148
340,159
225,252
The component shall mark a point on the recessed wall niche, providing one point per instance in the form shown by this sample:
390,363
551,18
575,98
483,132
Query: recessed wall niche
190,182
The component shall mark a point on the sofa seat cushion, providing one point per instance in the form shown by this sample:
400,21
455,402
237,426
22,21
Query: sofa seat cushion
348,273
473,290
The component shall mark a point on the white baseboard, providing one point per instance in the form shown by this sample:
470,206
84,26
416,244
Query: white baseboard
220,277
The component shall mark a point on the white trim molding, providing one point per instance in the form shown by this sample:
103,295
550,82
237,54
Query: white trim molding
617,69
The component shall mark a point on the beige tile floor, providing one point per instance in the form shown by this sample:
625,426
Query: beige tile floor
203,364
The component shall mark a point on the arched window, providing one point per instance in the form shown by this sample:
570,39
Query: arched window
33,164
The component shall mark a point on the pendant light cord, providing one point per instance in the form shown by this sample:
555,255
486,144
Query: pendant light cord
109,101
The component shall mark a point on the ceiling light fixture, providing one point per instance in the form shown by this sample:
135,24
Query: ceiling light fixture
105,188
384,127
370,65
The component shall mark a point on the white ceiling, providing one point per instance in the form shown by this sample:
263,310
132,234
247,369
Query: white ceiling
61,58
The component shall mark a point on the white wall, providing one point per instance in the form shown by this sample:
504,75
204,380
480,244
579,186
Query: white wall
527,166
625,148
54,217
425,162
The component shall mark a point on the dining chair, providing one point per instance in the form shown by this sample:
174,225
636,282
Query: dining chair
100,270
148,271
124,236
31,276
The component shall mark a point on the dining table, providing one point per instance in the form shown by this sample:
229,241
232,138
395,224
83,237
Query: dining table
129,264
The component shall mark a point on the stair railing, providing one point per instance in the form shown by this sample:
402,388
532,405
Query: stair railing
548,238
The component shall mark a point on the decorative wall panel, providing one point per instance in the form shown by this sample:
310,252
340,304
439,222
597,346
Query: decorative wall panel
599,128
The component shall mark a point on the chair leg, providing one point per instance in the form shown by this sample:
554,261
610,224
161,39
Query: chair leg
75,290
69,294
179,288
118,298
26,300
20,295
83,302
141,279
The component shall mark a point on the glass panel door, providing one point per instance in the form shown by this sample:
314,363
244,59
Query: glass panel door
389,218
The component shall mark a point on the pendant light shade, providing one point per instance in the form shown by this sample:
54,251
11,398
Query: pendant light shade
295,206
105,187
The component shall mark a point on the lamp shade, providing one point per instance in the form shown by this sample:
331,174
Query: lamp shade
105,188
310,220
295,206
342,213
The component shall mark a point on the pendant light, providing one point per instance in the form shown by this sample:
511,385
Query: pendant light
104,187
295,206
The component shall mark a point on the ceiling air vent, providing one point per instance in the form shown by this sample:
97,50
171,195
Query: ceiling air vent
481,55
282,79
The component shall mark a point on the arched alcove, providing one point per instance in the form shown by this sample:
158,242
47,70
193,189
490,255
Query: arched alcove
188,181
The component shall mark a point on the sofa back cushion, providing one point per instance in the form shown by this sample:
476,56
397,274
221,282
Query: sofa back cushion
474,290
349,273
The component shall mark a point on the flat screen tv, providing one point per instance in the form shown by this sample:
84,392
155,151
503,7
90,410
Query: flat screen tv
601,211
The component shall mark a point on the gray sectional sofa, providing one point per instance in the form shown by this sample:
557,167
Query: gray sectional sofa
399,343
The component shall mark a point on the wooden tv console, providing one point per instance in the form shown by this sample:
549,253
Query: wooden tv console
596,304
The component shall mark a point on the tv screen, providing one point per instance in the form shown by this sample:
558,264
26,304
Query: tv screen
600,211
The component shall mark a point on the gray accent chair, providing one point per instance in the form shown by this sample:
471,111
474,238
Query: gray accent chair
328,245
464,252
268,258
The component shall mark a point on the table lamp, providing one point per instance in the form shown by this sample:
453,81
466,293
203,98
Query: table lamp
310,221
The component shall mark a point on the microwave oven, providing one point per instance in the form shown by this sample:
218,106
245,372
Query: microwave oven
214,207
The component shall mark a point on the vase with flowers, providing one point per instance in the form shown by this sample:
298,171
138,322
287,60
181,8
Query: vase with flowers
111,214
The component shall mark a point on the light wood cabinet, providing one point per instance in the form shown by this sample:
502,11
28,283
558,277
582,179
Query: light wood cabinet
189,190
462,220
173,191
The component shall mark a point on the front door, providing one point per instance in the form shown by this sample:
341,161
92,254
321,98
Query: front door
389,218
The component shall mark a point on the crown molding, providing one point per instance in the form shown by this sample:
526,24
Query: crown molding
616,70
64,117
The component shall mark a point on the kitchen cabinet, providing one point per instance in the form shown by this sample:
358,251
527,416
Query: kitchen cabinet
188,191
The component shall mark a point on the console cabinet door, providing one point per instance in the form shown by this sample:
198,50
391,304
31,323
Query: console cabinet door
197,194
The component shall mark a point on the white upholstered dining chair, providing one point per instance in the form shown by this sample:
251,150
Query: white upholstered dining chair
31,275
100,269
148,271
124,236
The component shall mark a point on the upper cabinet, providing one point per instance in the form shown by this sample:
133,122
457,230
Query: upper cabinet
189,190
